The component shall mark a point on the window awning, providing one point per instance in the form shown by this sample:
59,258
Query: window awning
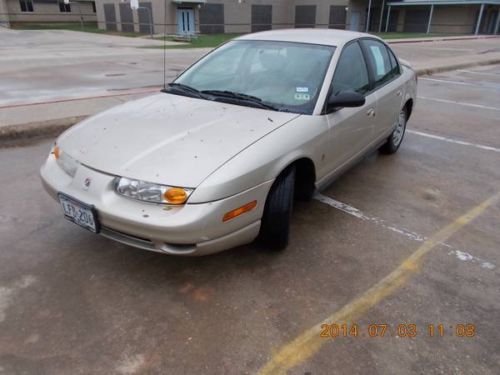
440,2
180,2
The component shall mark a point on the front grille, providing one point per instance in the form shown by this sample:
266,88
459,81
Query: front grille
146,244
128,239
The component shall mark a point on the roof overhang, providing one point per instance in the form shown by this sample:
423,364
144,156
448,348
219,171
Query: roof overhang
440,2
189,2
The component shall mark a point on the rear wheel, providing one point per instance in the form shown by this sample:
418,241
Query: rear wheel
275,226
394,141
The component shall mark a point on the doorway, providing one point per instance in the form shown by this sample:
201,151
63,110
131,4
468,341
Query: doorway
354,21
185,21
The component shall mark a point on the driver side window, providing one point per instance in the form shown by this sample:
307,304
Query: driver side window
351,73
218,66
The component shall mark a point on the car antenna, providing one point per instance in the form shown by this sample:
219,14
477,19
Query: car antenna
165,47
134,5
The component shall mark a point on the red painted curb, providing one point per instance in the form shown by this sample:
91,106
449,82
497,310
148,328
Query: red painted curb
402,41
81,98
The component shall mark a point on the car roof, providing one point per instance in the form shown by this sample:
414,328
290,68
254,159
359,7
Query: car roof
327,37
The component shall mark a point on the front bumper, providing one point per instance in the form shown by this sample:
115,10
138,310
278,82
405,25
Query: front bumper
191,229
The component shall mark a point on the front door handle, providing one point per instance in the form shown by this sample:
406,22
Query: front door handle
370,112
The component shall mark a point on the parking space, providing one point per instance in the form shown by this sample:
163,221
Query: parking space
450,49
370,249
462,96
66,64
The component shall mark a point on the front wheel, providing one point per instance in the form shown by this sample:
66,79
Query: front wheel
394,141
275,226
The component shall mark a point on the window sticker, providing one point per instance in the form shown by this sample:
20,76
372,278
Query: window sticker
302,96
302,89
379,60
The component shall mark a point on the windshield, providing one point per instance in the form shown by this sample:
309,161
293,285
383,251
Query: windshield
283,76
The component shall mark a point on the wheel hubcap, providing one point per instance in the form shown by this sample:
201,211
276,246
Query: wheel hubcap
397,135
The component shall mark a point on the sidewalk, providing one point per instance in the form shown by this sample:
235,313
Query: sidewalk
52,117
444,64
439,39
44,118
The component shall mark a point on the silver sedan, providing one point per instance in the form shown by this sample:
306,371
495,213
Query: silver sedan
217,158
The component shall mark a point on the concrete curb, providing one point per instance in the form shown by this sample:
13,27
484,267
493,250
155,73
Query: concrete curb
439,39
39,129
446,68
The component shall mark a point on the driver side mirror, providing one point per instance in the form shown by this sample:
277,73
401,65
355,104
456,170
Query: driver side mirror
344,99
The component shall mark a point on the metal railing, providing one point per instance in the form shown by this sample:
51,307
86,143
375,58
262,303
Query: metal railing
88,20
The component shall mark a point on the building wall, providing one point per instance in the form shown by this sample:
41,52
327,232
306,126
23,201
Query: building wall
158,14
49,12
457,19
4,18
358,7
322,9
449,19
491,20
238,15
282,18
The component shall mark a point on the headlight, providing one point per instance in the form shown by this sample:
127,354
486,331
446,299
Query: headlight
150,192
66,162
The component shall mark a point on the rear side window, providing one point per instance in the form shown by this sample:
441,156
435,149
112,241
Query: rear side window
383,68
351,73
394,62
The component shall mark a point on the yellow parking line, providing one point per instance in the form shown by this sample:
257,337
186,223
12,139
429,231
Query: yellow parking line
309,342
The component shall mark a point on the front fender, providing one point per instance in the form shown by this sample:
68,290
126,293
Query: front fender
304,137
410,87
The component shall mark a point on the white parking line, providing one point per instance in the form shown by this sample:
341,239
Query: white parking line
466,257
446,81
357,213
456,141
460,103
481,73
462,255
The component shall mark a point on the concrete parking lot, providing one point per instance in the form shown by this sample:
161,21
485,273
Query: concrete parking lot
387,243
81,64
43,65
56,78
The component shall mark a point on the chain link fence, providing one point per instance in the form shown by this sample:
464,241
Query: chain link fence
188,22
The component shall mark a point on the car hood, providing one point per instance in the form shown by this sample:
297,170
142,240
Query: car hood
168,139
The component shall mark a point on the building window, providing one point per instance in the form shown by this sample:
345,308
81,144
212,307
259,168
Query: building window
93,7
64,8
26,5
337,17
262,18
305,16
212,19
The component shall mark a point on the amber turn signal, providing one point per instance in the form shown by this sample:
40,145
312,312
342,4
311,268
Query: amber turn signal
56,151
175,196
240,210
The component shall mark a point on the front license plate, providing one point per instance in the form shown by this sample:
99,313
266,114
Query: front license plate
79,213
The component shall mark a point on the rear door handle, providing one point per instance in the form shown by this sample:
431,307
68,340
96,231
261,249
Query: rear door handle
370,112
399,93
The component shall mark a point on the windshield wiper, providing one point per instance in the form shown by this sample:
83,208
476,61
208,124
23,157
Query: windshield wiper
185,89
240,98
218,94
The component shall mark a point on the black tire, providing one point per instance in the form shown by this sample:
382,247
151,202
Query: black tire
396,138
275,225
304,191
